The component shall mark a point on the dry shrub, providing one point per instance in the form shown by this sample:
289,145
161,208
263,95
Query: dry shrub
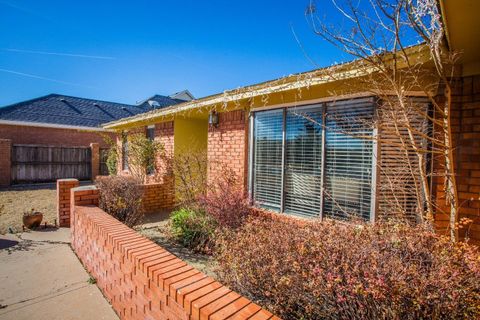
190,170
225,201
121,197
327,270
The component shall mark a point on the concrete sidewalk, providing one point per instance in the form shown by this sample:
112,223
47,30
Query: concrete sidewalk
41,278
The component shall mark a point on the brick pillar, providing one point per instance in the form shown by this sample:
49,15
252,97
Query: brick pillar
81,196
5,162
95,148
63,200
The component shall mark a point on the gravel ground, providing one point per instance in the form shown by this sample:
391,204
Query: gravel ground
15,200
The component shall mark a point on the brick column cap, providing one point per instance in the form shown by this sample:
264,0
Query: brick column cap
67,180
84,188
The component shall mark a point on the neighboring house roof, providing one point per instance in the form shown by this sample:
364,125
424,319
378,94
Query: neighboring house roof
65,111
158,101
184,95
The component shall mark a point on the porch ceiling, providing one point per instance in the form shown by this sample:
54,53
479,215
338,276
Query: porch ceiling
462,21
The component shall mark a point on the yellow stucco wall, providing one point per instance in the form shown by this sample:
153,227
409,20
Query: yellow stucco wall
190,134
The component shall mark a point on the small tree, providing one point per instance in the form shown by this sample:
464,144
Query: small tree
381,35
112,154
142,153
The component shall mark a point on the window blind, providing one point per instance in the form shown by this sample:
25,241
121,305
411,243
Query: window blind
267,163
303,161
315,160
348,159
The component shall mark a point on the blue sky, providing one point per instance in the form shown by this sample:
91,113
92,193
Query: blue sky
125,51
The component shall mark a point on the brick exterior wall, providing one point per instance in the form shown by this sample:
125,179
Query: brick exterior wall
5,161
157,197
228,145
466,134
63,200
160,186
141,279
50,136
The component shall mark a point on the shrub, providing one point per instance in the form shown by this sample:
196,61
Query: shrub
112,154
225,201
121,197
190,170
327,270
142,153
193,228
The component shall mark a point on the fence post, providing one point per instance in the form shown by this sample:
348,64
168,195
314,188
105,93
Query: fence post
95,163
63,200
5,162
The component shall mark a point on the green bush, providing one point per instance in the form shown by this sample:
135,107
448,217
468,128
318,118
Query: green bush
193,228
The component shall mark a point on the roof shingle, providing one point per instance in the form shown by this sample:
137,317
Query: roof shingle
72,111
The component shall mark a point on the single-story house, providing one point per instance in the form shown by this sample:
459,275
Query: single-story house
300,165
40,127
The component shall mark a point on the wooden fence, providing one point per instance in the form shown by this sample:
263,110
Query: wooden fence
33,163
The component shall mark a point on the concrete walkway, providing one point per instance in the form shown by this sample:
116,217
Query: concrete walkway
41,278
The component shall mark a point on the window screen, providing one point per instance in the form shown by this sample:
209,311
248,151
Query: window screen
267,176
348,159
303,161
151,133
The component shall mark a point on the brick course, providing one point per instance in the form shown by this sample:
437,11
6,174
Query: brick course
51,136
141,279
227,145
157,197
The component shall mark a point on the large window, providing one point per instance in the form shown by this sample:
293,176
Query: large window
314,160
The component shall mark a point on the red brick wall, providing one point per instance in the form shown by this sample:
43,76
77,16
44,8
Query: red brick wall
50,136
157,197
227,145
5,161
144,281
466,132
63,200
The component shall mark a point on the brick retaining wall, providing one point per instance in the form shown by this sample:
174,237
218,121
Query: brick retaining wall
141,279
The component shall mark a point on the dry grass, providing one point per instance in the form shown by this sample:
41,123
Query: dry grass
16,200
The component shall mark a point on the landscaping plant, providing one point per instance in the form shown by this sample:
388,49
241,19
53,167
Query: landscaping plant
142,153
225,201
327,270
193,228
121,197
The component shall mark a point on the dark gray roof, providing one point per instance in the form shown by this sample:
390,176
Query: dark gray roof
72,111
163,101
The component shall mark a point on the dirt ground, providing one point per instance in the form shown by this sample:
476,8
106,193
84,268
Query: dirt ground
158,232
17,199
